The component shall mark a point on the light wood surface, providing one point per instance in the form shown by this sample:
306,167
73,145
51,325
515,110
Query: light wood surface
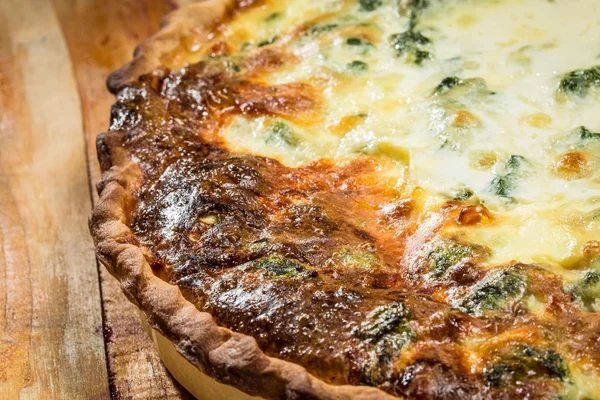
66,330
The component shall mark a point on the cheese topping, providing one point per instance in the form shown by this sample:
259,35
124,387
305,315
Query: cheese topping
436,205
486,91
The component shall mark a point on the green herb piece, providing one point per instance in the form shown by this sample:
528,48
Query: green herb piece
358,66
406,41
514,162
447,84
354,41
420,56
268,41
463,194
587,290
445,255
369,5
586,134
525,363
361,45
357,257
273,17
418,5
319,29
277,266
493,292
233,66
387,330
385,320
580,82
456,88
414,9
503,185
408,44
281,132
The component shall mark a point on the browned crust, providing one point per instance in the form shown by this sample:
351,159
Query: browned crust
196,20
229,357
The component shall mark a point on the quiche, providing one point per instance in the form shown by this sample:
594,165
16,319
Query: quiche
362,199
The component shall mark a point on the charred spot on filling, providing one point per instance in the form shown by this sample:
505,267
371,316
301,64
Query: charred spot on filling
326,265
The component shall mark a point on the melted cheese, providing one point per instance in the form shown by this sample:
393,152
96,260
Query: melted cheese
503,124
518,50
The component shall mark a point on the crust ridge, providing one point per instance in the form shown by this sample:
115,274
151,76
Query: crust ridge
197,19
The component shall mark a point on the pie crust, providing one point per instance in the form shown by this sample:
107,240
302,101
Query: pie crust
230,358
315,277
190,377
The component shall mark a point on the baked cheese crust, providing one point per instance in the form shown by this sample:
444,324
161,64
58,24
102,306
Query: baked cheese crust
399,194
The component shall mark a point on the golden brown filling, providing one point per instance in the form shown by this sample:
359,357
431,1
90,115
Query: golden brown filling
331,265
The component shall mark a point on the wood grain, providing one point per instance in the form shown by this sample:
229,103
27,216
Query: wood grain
101,36
51,344
66,330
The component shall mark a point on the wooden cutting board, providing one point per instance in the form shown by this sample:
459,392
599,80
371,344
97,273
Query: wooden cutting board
66,330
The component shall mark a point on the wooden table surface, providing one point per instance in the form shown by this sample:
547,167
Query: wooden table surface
66,330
